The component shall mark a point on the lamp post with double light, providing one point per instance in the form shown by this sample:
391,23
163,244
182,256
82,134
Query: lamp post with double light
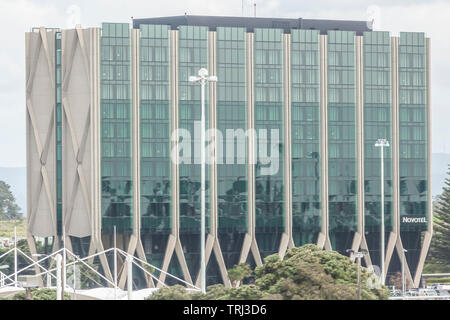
202,78
403,272
358,256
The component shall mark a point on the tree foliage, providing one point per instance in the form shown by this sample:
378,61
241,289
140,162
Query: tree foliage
307,272
239,272
9,210
40,294
396,280
9,258
176,292
439,254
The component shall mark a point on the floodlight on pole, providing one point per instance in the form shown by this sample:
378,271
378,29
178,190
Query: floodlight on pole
403,272
358,256
382,143
203,77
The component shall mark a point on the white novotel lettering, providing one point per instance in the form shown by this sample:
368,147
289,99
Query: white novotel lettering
414,220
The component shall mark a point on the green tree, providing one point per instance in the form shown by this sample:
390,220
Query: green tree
239,272
176,292
396,281
305,273
439,255
40,294
21,260
9,210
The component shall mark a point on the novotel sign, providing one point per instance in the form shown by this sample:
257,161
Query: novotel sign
414,220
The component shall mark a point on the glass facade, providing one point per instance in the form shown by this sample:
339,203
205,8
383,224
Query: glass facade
232,115
413,141
305,136
155,63
193,55
58,134
269,115
116,166
155,162
342,164
377,125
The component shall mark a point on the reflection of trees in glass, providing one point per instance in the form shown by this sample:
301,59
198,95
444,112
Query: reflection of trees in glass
190,196
403,186
119,203
158,203
421,186
234,200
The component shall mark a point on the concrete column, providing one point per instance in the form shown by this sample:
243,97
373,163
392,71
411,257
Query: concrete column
323,239
286,239
360,140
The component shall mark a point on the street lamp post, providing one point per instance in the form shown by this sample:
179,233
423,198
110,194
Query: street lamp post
382,143
202,78
358,256
403,272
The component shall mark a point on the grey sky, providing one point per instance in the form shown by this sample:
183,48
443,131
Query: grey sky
18,16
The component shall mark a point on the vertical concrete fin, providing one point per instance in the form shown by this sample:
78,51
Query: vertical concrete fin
174,126
324,137
135,83
395,137
251,139
287,143
360,132
212,67
428,234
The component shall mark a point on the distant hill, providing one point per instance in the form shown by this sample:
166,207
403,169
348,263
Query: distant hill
17,179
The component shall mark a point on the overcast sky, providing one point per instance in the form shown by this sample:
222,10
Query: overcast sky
18,16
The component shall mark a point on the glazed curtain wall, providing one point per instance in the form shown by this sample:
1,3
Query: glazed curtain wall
232,114
269,189
413,141
305,136
377,125
116,167
155,175
155,160
342,171
192,55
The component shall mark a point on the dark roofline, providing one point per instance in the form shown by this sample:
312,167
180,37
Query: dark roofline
251,23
